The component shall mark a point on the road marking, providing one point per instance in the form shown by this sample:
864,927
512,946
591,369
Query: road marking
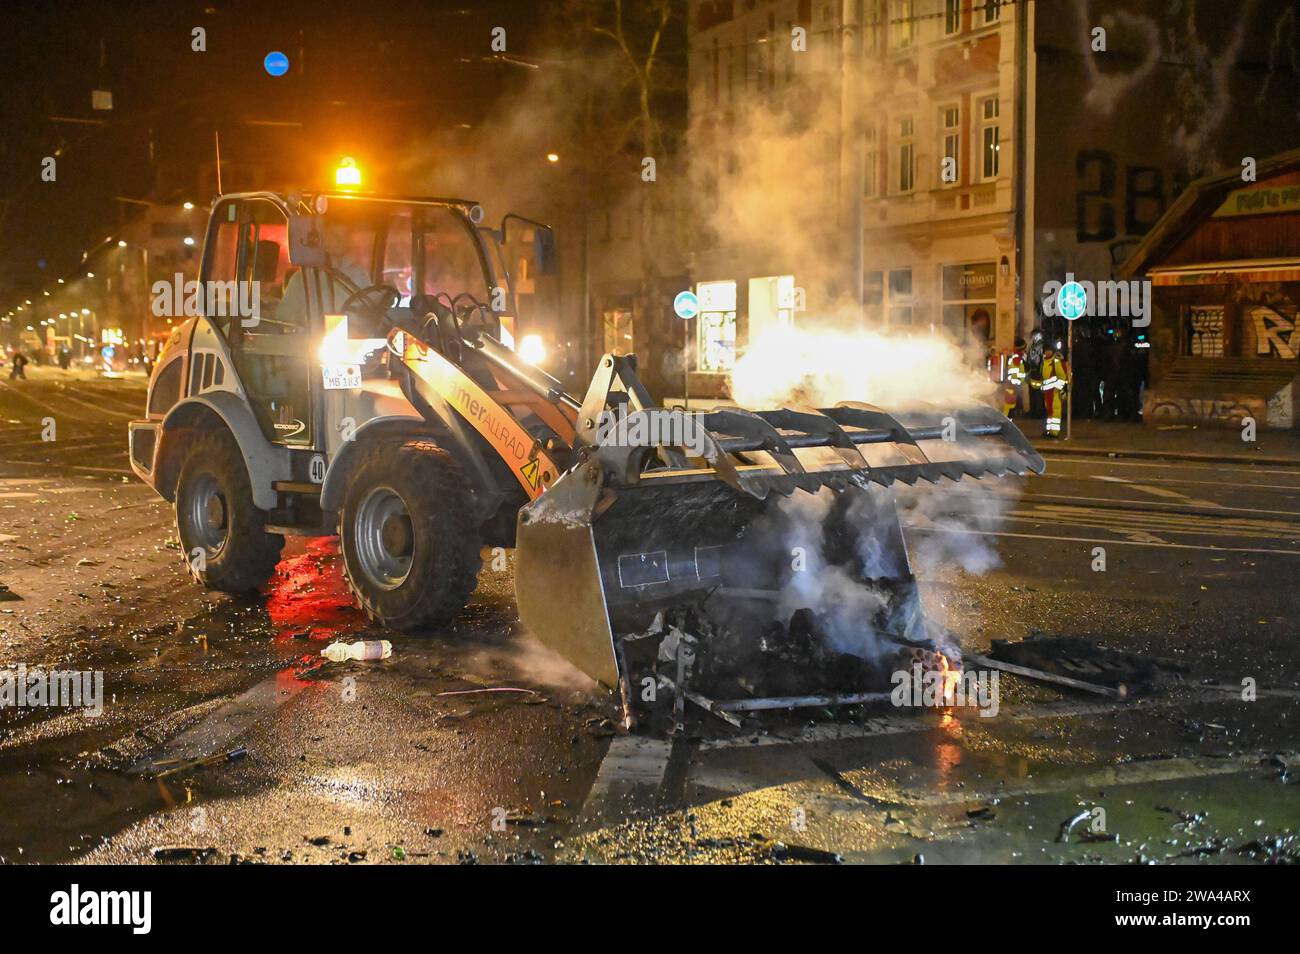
1104,541
1175,464
1145,504
1130,521
632,765
1123,773
1245,485
1159,492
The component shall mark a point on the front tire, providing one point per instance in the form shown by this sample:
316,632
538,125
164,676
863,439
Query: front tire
410,543
221,531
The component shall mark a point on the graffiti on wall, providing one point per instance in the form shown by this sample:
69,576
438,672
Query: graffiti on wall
1206,410
1276,336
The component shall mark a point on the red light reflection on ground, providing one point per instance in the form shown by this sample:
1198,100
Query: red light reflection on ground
308,595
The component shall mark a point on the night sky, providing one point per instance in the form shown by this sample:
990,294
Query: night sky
365,79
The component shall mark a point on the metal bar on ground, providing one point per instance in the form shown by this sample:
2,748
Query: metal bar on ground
800,702
1044,676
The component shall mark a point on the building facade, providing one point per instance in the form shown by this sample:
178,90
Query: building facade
965,154
1224,268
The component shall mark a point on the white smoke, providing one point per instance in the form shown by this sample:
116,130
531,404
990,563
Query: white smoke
794,366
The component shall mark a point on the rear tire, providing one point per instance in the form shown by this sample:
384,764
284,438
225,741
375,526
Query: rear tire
409,539
221,531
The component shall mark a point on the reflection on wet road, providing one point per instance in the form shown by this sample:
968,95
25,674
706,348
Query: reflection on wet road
225,737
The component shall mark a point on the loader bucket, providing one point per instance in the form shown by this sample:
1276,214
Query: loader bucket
611,557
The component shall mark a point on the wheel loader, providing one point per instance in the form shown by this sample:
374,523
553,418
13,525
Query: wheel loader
345,367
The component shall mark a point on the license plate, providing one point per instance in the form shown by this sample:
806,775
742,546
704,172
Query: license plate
341,377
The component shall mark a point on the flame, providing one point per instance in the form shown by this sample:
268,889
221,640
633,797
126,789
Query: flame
950,675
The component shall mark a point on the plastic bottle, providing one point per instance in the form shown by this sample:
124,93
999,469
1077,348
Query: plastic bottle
361,649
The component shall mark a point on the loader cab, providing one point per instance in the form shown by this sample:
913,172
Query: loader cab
247,276
273,311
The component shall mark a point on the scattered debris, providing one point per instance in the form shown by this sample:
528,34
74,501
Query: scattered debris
977,660
168,767
1079,659
1068,826
183,853
817,856
362,650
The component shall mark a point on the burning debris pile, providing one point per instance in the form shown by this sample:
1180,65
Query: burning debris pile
815,606
726,668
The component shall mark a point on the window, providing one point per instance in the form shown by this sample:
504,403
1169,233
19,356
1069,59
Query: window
222,254
716,327
992,11
990,148
771,305
906,155
264,260
870,161
1204,331
900,24
969,303
271,354
617,326
950,169
873,297
451,260
951,17
900,297
399,266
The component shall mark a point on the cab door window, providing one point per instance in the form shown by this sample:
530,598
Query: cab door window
221,267
271,340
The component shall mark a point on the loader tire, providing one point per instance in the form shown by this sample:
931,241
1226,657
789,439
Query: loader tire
409,538
222,533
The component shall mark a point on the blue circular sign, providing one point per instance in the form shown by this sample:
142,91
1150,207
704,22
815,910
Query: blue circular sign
276,63
686,305
1072,300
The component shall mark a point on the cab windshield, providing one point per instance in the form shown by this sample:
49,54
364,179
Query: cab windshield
427,253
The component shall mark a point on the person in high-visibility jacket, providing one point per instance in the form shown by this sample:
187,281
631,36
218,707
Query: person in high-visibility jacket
1054,380
1016,375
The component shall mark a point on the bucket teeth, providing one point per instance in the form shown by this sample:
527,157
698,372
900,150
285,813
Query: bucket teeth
758,452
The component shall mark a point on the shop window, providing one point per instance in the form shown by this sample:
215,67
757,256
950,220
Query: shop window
1204,331
969,302
716,327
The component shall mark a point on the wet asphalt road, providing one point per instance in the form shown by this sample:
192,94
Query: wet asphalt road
407,760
